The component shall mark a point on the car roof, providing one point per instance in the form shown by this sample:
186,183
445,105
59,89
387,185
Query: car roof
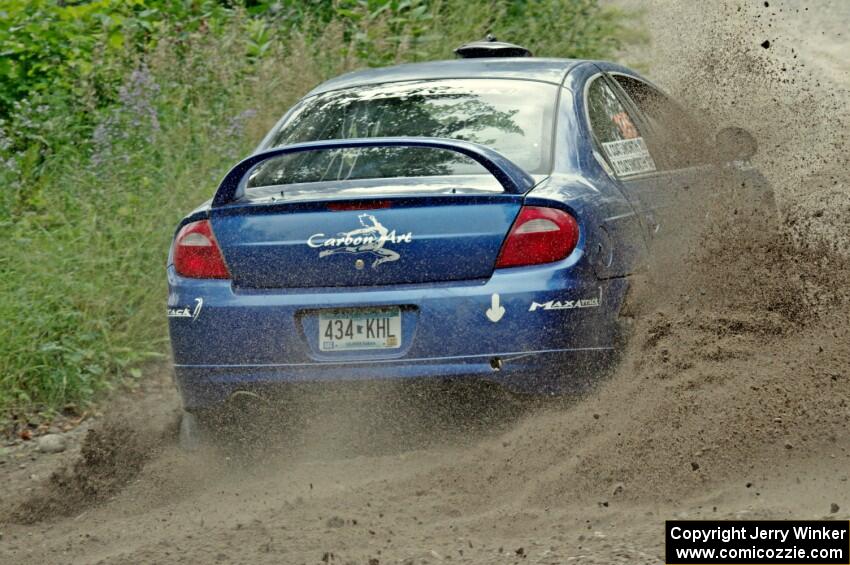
523,68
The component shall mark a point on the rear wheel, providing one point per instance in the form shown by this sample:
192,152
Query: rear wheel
243,421
190,436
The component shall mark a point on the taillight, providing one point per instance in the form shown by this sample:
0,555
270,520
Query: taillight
539,235
196,253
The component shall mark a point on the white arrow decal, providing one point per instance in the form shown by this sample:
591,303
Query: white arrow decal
496,310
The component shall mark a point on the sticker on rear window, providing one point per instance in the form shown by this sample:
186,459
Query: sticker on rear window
626,125
629,156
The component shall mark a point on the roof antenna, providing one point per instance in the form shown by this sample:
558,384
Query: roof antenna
490,46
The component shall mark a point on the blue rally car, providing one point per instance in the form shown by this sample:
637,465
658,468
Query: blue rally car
476,218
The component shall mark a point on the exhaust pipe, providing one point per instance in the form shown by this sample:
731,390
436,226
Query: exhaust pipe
246,396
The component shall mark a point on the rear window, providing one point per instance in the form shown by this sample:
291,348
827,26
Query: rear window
513,117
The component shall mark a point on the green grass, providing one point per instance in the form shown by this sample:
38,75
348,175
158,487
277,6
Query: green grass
96,179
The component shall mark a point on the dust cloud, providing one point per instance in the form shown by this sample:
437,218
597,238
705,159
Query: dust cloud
731,399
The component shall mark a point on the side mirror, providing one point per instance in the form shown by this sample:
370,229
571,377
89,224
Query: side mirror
735,144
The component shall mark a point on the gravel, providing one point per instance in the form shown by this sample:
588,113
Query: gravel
52,443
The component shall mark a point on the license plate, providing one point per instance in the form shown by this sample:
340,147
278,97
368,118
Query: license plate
349,330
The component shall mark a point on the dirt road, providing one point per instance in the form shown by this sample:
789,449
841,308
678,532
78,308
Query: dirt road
733,399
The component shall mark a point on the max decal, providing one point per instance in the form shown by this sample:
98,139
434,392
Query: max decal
567,304
371,238
187,311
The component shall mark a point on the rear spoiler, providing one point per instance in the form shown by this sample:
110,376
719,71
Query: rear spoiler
512,178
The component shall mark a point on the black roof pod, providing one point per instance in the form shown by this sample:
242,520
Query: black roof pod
491,47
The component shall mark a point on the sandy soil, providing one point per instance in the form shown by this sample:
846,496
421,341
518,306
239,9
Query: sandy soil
733,399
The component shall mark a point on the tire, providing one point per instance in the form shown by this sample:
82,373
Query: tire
190,437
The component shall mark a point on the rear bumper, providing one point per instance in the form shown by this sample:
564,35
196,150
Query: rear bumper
557,322
539,372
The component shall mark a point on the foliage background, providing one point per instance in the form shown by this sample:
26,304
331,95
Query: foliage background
118,116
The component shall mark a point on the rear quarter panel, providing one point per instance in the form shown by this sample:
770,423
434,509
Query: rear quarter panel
613,238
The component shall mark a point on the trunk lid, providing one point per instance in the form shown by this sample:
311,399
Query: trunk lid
392,240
